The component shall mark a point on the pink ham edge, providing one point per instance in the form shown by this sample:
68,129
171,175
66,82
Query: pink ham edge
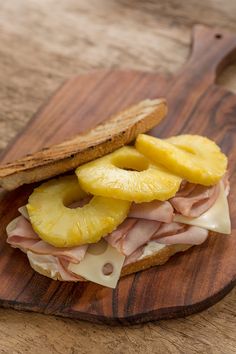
56,265
169,230
198,201
192,236
23,237
139,235
155,210
70,254
115,237
24,233
185,189
66,273
23,229
134,256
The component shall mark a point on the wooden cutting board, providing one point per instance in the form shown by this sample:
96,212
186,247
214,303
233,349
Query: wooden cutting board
189,282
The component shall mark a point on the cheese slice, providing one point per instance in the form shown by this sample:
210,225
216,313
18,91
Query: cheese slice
97,256
12,225
24,212
215,219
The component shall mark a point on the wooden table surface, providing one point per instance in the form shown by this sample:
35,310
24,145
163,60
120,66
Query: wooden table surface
43,42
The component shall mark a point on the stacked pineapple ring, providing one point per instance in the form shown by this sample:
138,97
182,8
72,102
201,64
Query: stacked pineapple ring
195,158
62,226
128,175
152,170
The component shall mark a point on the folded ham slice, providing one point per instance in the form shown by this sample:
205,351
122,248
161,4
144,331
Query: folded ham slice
192,235
21,235
155,210
70,254
169,230
116,237
134,256
171,234
52,266
24,237
133,242
21,228
138,235
194,199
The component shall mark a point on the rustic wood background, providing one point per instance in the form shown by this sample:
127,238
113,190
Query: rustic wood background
43,42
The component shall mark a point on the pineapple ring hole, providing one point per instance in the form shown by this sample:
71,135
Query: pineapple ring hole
131,163
107,269
79,203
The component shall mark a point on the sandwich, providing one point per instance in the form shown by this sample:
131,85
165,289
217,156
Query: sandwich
118,201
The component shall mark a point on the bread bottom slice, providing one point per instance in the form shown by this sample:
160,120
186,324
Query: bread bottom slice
158,258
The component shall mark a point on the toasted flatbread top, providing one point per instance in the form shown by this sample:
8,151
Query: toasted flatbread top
117,131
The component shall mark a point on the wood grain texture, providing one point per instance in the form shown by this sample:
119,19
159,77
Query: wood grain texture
71,37
204,274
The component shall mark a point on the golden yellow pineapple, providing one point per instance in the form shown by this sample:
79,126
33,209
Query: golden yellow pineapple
62,226
192,157
128,175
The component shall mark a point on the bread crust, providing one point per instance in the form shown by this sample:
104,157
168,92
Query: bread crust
158,258
119,130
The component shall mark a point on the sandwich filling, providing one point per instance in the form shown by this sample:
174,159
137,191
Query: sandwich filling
133,203
184,219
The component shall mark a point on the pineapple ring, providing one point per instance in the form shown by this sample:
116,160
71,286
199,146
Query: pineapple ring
128,175
61,226
195,158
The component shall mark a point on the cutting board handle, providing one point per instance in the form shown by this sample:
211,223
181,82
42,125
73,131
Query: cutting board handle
212,50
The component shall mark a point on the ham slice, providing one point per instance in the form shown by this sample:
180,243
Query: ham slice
132,234
194,199
193,235
171,234
185,189
169,230
175,233
21,235
115,238
189,235
134,256
66,273
24,237
155,210
70,254
139,235
52,265
22,229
